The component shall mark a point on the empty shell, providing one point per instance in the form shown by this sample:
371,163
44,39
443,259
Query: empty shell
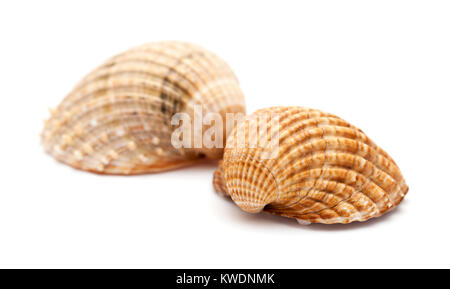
119,118
317,168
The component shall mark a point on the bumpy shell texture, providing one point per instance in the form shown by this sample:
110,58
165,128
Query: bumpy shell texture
325,170
117,120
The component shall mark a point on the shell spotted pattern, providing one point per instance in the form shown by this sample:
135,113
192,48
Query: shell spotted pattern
117,120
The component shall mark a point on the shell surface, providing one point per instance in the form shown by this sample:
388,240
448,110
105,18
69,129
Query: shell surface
117,120
324,170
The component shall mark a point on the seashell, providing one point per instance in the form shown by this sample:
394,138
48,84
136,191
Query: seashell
324,170
117,120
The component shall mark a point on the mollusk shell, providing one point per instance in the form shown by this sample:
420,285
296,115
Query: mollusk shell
117,120
325,171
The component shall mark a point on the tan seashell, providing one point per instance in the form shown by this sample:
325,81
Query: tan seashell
325,170
117,120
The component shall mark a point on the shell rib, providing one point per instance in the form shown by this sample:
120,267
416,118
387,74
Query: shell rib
325,170
117,120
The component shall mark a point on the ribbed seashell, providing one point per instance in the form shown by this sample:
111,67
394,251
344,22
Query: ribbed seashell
321,169
117,120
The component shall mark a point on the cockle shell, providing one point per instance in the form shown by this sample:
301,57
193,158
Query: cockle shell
324,170
117,120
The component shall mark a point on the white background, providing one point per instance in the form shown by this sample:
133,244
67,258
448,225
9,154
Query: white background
382,65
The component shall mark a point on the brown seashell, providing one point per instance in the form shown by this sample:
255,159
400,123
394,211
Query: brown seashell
117,120
324,170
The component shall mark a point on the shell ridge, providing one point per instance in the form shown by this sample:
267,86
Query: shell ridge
326,208
112,118
334,166
147,87
346,191
306,137
354,191
108,75
334,209
103,103
177,59
313,153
